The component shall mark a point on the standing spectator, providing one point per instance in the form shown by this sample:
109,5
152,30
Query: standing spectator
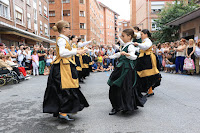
41,54
54,55
180,55
100,59
159,53
20,55
35,63
27,54
2,47
190,49
197,56
110,52
13,54
49,59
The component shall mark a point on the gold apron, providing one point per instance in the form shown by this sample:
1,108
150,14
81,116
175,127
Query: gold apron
65,70
148,72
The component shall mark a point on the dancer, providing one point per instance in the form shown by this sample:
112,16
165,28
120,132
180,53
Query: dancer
147,65
62,95
123,93
137,37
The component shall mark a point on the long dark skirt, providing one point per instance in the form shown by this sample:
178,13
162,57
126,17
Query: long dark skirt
85,71
61,100
126,97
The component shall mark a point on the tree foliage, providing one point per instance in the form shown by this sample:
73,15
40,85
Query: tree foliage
169,13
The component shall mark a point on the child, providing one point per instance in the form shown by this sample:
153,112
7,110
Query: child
105,66
35,63
99,67
123,93
94,67
46,71
111,67
100,59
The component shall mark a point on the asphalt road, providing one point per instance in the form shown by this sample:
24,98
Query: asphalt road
174,108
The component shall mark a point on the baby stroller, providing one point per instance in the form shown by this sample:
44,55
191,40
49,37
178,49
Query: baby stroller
7,76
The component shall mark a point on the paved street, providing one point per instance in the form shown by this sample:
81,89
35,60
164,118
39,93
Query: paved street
175,108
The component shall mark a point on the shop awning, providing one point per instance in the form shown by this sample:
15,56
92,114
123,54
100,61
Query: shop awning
185,18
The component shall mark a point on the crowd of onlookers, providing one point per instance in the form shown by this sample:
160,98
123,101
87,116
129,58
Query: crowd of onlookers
179,57
174,57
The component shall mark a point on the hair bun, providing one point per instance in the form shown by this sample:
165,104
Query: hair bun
55,28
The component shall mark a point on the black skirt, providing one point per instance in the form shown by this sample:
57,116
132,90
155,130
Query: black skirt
57,99
127,97
85,71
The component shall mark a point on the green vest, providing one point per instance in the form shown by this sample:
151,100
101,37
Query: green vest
126,64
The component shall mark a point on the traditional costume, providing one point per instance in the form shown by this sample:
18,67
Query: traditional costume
62,94
123,94
137,37
147,67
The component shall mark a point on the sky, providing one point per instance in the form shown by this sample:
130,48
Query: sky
122,7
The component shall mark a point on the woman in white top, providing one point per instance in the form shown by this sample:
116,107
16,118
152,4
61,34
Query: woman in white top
197,56
180,55
137,34
124,94
62,94
147,65
13,54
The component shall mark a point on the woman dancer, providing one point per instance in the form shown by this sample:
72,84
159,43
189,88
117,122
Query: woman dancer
62,95
147,65
123,93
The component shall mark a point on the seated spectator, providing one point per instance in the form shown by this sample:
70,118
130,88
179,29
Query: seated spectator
105,66
46,71
12,64
94,66
99,67
3,62
111,67
170,63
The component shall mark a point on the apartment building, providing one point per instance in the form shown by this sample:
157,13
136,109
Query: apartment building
88,19
123,24
24,21
143,13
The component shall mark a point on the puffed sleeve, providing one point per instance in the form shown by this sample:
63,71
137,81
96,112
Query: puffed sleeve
146,45
116,55
80,44
131,51
63,51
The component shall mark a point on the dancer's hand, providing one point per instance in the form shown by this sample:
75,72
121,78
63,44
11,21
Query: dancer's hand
136,44
123,53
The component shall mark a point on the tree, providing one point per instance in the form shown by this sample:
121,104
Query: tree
169,13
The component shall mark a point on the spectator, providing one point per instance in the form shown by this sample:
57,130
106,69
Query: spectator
99,67
12,64
111,67
110,52
197,57
94,66
190,49
28,58
105,67
54,55
2,48
49,59
13,54
100,59
159,52
180,55
35,63
3,62
170,63
41,54
20,55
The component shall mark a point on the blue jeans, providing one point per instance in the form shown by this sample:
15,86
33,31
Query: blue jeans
160,60
179,63
110,61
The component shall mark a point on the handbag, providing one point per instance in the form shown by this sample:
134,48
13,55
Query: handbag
188,64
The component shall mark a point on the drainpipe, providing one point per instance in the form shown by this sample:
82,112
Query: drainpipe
148,17
14,13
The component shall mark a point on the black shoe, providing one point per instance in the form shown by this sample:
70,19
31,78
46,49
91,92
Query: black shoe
81,81
65,117
55,114
113,112
149,95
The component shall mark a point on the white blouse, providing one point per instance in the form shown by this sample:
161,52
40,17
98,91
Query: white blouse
83,44
131,50
146,44
138,35
62,50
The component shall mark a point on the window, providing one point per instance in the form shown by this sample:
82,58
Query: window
51,13
45,12
82,25
51,25
46,29
35,14
82,14
119,23
29,20
81,1
125,24
53,38
4,12
66,12
19,17
153,25
40,26
40,7
51,1
66,1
